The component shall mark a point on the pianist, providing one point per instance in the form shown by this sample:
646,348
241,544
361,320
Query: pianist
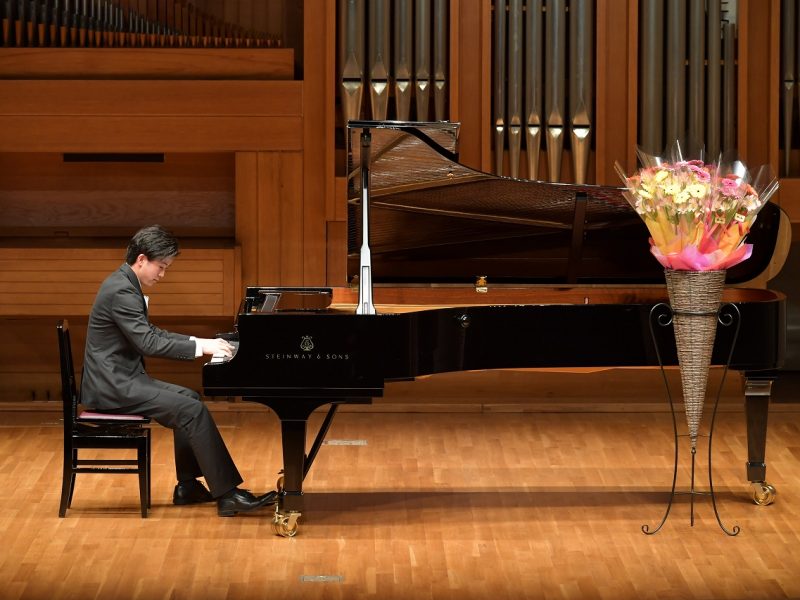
114,379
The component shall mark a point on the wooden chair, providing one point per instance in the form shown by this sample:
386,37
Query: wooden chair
98,431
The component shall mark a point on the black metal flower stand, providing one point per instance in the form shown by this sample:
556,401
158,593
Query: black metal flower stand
663,315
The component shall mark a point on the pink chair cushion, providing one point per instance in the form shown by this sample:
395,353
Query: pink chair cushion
109,416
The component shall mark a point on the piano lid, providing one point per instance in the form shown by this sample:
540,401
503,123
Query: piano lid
434,220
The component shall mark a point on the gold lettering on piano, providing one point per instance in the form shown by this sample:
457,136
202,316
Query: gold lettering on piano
307,356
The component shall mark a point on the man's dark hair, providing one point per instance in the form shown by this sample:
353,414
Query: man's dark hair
154,242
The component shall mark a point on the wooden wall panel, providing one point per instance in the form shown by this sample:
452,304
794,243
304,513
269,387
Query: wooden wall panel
472,82
270,217
63,282
337,253
146,63
758,61
247,234
148,116
150,98
614,134
149,134
319,123
41,195
281,216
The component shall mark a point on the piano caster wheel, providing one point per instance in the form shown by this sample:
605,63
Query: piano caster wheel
764,493
285,525
279,484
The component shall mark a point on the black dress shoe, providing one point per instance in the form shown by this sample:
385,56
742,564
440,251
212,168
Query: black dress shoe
191,492
238,500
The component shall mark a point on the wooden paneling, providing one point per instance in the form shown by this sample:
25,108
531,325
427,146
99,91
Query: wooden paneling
247,234
269,217
149,134
282,248
146,63
614,134
759,85
472,81
337,253
41,195
141,98
150,116
63,282
318,135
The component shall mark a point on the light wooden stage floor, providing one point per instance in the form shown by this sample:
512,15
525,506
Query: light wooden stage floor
436,505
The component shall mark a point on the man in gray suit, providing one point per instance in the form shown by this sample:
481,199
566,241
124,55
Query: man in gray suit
114,379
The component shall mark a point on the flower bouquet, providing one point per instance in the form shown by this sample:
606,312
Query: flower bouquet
698,215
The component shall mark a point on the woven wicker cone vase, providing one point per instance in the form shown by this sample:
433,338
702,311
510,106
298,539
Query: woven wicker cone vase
695,298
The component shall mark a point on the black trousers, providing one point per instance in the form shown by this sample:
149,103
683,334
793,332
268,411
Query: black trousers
199,447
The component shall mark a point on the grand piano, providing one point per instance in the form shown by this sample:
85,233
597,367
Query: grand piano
454,269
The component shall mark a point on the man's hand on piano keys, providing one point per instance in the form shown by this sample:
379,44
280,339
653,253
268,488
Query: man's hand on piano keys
216,347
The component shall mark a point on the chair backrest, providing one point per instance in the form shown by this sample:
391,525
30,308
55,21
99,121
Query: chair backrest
69,390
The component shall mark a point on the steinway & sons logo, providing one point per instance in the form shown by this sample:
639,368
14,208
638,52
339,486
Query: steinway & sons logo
307,352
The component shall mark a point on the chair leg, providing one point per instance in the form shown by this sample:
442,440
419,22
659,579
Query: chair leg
72,476
141,459
149,470
67,484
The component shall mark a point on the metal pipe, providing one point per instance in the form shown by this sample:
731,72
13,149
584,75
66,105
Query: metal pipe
696,91
351,57
440,29
581,84
534,43
554,84
676,71
650,74
422,57
714,79
514,89
788,70
379,58
729,86
403,19
499,84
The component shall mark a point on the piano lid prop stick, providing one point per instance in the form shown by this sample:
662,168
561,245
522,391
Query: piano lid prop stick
379,58
365,304
351,56
514,85
581,45
403,14
499,84
439,58
714,80
555,36
422,57
534,41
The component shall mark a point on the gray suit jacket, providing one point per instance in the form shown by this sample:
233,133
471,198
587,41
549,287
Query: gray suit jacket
118,336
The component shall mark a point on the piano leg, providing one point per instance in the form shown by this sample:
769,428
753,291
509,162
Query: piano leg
294,416
757,394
